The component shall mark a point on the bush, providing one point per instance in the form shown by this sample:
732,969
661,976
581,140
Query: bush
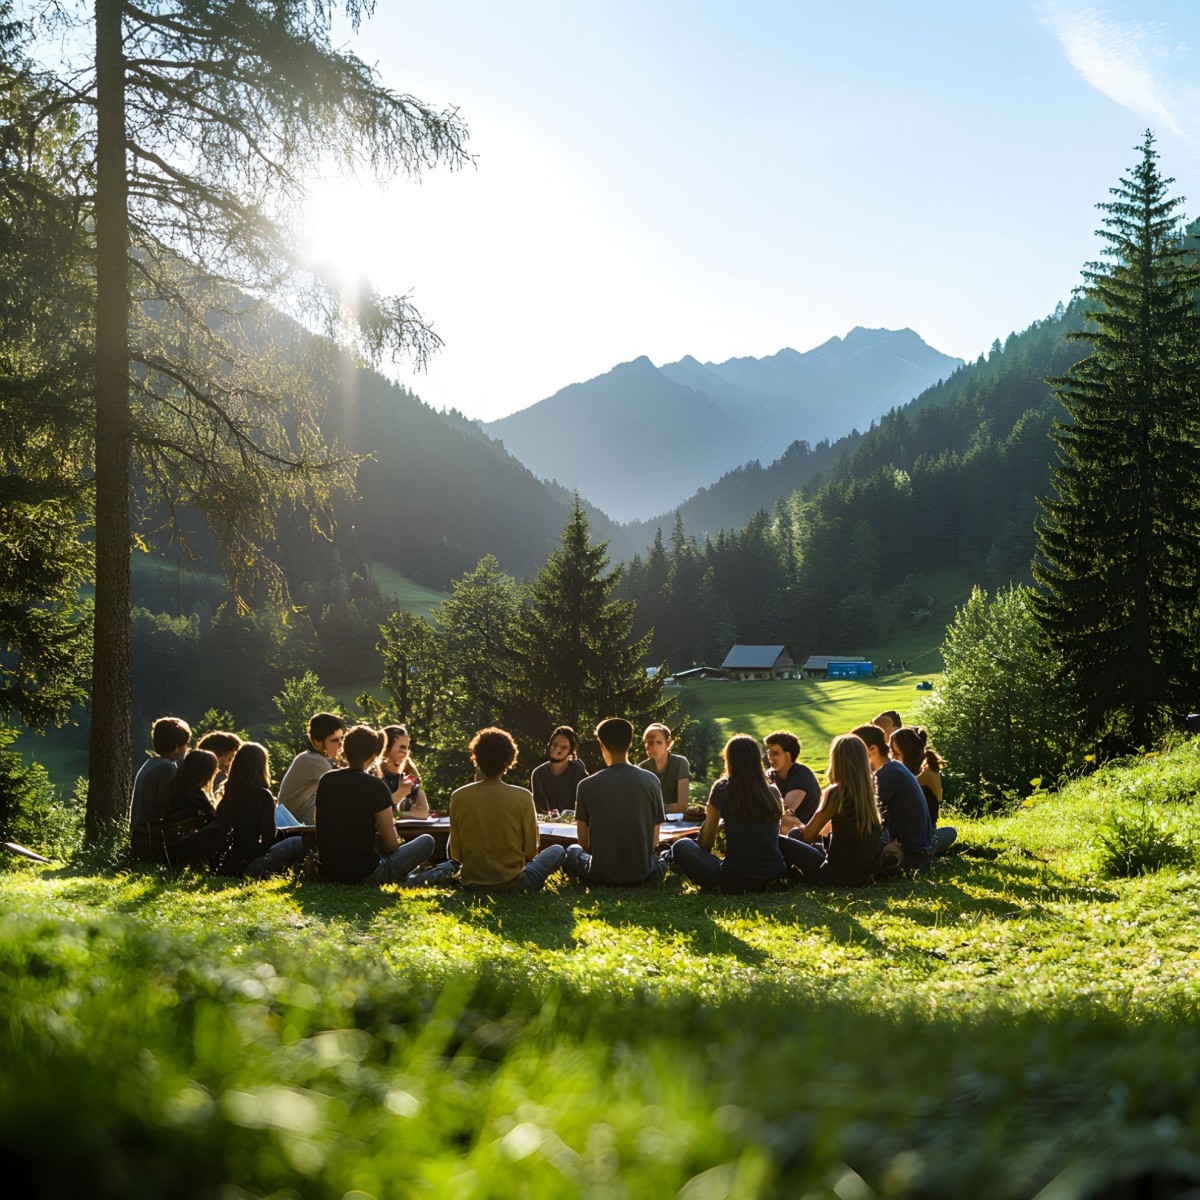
1001,715
1138,843
31,811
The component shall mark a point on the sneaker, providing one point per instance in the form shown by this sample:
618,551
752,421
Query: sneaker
445,870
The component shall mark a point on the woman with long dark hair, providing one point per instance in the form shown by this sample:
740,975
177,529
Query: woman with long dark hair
189,828
849,809
750,807
399,772
246,814
910,745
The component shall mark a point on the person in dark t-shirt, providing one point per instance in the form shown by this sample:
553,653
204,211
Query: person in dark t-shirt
617,813
796,783
553,782
356,829
902,804
153,786
750,807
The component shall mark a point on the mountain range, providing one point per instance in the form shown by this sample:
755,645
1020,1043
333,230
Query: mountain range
641,439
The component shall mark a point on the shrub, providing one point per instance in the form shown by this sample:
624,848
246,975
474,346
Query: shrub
1138,843
31,811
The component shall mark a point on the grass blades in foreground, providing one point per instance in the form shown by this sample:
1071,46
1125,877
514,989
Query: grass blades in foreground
1012,1022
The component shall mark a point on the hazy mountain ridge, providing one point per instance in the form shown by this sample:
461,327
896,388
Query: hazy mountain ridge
653,434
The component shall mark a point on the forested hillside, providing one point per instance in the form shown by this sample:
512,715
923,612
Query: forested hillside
948,481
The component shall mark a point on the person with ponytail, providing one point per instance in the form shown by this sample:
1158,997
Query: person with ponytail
910,745
849,809
751,808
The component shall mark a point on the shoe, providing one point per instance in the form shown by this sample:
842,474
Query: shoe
445,870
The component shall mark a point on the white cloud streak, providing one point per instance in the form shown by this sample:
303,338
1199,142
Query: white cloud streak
1129,61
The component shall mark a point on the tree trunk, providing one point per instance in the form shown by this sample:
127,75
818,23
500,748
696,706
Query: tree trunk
110,759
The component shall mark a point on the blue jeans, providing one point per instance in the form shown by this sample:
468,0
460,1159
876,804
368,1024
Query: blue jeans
578,862
400,865
807,859
943,838
541,867
698,865
280,855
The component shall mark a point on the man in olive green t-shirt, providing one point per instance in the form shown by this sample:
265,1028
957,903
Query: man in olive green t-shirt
493,825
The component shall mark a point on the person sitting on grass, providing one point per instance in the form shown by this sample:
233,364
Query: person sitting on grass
889,721
192,835
617,813
672,770
399,772
356,828
246,813
224,746
796,783
910,745
553,782
298,787
153,785
908,835
493,824
751,807
848,807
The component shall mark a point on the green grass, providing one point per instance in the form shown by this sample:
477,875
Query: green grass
1012,1022
412,597
816,711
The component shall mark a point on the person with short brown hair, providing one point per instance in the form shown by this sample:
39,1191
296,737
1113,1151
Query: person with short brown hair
298,787
617,812
356,828
152,787
493,824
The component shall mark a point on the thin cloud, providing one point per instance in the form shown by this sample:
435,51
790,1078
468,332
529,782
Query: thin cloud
1129,61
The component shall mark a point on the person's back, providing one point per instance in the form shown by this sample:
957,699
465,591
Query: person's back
621,806
247,815
903,809
751,845
346,802
153,785
493,832
854,852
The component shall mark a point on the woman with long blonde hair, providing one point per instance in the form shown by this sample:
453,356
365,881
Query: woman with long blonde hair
849,810
751,808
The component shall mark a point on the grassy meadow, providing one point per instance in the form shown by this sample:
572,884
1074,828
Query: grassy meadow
1021,1021
408,596
815,710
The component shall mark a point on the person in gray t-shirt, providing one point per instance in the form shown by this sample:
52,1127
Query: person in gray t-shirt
617,812
152,787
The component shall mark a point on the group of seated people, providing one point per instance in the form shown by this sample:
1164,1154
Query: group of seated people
212,806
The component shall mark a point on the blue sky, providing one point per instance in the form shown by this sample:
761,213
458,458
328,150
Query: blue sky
722,179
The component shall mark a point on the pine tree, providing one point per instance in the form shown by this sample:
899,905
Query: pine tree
200,121
580,663
1119,543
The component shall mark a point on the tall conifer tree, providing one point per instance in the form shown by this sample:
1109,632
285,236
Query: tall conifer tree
1119,542
580,661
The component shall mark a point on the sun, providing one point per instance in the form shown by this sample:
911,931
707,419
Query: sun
343,233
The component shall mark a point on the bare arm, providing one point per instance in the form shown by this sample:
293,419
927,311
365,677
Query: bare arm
708,832
581,834
680,802
819,822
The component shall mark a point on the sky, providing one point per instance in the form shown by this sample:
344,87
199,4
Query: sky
671,177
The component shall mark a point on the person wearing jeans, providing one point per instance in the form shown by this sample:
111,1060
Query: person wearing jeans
493,824
356,828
